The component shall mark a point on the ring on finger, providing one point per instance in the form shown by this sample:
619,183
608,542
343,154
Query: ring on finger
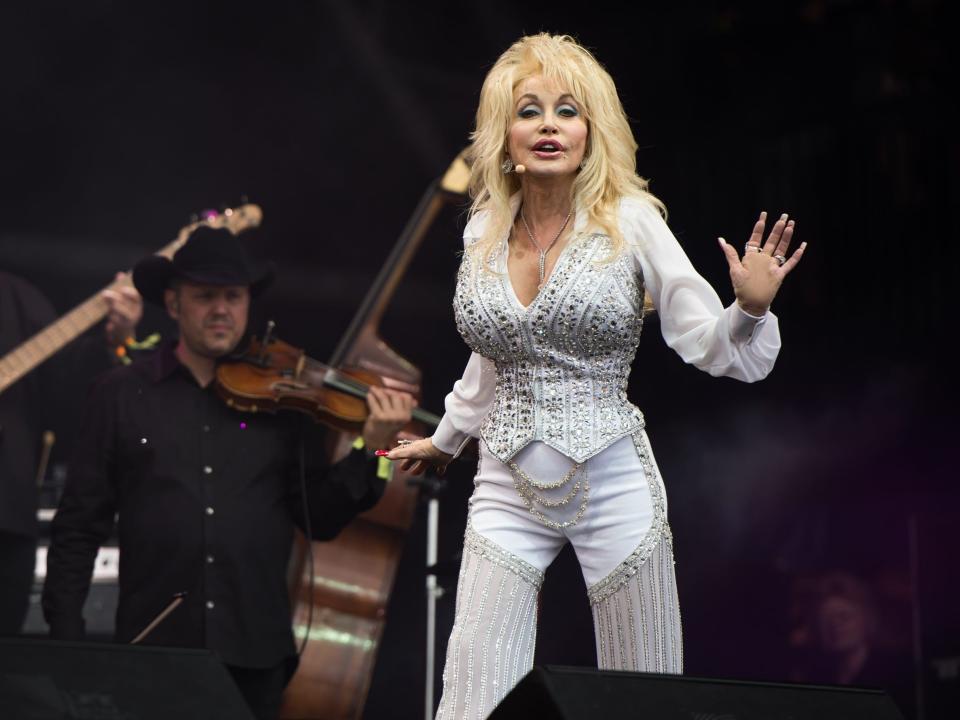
781,259
749,248
403,441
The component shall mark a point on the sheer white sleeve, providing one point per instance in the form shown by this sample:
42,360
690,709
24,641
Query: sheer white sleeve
469,402
466,406
720,341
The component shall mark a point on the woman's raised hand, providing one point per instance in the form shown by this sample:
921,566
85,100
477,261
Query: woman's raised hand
418,455
758,275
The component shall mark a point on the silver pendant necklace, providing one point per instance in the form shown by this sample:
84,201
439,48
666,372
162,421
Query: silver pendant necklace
543,251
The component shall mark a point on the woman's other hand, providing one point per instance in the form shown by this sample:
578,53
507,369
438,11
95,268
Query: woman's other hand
418,455
758,275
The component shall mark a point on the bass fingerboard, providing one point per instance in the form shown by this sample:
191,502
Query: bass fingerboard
52,339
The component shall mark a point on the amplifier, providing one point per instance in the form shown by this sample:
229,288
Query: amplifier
559,693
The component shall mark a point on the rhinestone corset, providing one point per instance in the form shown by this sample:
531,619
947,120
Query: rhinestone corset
562,363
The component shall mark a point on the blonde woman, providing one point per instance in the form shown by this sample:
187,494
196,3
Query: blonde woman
563,243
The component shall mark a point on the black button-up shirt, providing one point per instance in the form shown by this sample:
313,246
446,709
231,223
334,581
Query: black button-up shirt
206,500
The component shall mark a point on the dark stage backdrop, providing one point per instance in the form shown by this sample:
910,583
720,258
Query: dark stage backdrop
805,507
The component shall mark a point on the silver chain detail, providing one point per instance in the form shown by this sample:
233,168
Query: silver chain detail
527,486
543,253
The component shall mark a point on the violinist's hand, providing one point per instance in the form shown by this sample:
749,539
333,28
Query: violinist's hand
758,275
126,309
390,411
417,456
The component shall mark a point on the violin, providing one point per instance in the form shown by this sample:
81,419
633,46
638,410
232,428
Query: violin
273,375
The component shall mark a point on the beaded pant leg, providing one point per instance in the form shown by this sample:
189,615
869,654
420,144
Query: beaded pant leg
494,629
637,618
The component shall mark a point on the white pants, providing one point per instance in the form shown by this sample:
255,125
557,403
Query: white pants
622,542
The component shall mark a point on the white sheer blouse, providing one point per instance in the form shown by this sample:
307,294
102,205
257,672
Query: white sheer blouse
723,341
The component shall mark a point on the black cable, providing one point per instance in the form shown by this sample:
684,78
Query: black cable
309,533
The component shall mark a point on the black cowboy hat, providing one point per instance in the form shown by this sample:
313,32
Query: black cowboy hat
210,256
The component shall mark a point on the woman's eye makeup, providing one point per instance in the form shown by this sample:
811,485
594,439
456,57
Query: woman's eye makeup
565,110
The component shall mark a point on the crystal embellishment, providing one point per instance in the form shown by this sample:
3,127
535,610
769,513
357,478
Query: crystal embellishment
562,362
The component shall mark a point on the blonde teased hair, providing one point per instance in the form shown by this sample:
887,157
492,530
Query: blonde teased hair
610,166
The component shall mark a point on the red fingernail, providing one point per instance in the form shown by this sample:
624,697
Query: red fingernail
381,453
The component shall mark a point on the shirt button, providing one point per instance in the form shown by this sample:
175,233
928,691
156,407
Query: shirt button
143,441
206,428
210,605
209,559
209,511
207,469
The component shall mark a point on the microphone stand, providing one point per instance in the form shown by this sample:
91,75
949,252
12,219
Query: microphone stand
431,486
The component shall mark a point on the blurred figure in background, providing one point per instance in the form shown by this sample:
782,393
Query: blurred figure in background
24,415
841,640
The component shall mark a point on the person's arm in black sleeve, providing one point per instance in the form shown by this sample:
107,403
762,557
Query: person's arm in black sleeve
105,344
66,377
338,492
84,519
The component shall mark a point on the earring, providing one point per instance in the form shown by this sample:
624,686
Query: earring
506,167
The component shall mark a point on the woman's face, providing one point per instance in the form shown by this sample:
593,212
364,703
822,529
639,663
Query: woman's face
548,134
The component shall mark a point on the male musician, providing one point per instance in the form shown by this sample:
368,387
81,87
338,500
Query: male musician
24,311
206,496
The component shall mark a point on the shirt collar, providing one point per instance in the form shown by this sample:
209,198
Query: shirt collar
163,363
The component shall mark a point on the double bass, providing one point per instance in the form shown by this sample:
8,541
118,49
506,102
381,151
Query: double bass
339,605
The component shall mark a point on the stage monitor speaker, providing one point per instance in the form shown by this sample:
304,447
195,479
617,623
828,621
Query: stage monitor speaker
48,680
559,693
